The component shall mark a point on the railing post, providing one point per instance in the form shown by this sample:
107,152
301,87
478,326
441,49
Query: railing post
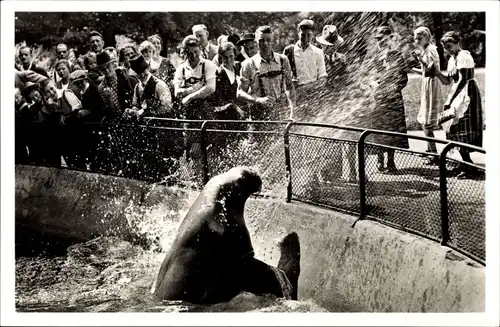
288,162
362,174
443,187
203,148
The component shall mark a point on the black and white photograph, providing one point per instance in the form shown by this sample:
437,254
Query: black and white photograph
174,159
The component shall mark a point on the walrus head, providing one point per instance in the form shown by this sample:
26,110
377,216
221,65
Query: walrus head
238,182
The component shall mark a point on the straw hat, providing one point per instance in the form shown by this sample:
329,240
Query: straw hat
330,36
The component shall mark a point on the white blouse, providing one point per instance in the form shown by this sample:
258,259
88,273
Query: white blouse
230,74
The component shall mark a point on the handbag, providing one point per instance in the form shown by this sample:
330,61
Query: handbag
446,115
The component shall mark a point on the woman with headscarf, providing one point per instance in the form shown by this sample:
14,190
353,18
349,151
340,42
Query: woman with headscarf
160,66
462,116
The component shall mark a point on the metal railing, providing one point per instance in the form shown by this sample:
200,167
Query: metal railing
298,160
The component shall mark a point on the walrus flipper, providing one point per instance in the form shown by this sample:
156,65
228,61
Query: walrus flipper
290,260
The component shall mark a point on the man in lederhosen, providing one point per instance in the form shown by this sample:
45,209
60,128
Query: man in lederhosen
266,81
194,82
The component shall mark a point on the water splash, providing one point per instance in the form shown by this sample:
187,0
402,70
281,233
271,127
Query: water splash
110,275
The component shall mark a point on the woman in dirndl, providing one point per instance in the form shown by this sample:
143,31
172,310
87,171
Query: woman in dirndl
431,99
462,118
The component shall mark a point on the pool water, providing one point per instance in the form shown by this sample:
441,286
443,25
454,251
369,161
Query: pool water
107,274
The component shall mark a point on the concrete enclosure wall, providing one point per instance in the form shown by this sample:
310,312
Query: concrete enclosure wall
366,268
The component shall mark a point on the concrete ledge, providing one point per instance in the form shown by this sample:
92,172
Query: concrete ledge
368,268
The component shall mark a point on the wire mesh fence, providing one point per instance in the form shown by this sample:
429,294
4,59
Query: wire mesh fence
324,171
466,209
241,146
322,168
407,197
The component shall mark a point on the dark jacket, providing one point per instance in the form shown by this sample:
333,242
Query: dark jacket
126,85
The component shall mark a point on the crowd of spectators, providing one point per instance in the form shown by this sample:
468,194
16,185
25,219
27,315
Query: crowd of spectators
239,78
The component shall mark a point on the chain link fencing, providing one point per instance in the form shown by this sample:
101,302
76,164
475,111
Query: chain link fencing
466,209
326,165
240,144
407,198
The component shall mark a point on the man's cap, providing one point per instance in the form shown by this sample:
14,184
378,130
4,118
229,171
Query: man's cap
190,41
246,37
306,24
95,33
138,64
382,31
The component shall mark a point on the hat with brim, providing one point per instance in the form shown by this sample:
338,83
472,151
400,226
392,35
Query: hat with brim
330,36
30,86
381,32
138,64
233,38
246,38
103,58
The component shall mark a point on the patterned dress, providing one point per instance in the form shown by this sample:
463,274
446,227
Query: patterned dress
467,126
431,98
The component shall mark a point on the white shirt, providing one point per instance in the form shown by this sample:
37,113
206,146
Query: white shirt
230,74
189,72
64,86
309,63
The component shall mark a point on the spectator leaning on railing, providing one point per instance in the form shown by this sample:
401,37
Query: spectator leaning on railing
194,82
151,95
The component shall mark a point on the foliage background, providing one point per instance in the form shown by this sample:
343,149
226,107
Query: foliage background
49,28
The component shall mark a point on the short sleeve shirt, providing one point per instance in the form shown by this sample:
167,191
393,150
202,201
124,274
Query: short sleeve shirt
431,56
271,75
462,60
184,72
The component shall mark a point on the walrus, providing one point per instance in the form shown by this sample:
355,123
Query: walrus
212,258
